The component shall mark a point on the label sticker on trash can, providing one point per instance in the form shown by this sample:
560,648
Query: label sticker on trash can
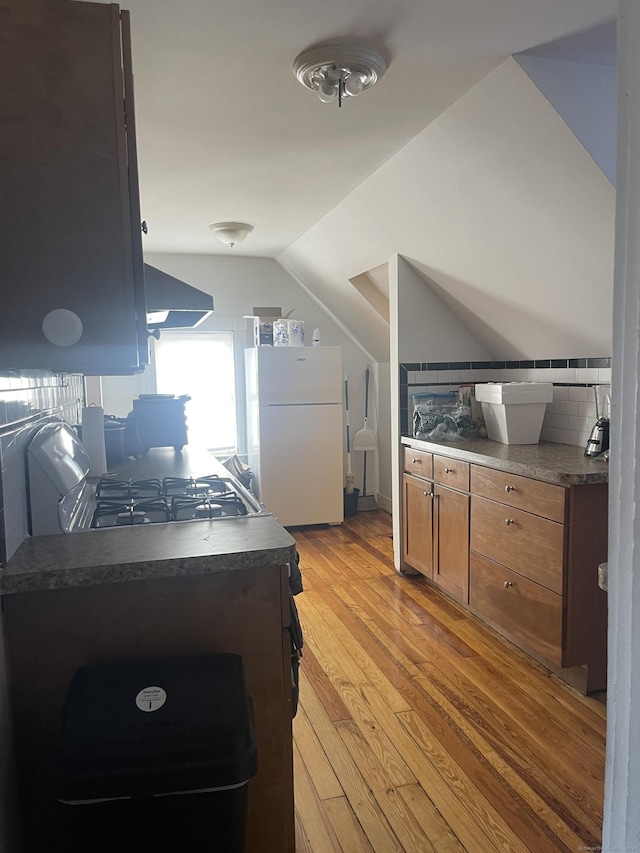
151,698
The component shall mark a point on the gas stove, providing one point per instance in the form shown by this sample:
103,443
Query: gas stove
125,502
63,500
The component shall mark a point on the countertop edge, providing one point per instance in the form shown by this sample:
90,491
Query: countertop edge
53,579
540,464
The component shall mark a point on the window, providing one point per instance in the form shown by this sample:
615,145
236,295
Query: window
201,364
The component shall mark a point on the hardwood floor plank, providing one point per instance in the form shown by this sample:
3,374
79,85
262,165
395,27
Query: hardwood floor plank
335,707
322,561
401,683
402,639
531,676
317,834
439,833
401,819
565,749
474,766
568,808
303,844
352,649
346,827
531,793
461,802
355,692
316,762
429,628
379,546
358,793
566,754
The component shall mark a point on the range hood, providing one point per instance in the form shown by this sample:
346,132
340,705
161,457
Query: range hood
173,304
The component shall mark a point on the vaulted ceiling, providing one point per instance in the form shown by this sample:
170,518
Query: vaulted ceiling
226,132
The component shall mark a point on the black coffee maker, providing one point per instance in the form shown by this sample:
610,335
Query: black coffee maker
598,441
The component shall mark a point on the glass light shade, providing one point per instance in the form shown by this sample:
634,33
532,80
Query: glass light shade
231,233
327,91
354,84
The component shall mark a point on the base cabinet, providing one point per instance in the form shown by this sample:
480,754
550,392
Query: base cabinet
521,553
436,523
50,634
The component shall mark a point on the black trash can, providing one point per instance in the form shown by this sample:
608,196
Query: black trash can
155,755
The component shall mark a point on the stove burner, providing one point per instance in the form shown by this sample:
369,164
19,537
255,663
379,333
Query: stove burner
135,516
208,510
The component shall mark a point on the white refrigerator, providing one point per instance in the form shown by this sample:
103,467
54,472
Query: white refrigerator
295,432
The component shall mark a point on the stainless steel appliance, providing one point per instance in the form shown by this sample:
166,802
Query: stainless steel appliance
63,500
598,441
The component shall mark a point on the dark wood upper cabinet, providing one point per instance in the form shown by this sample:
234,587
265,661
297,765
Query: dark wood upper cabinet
70,231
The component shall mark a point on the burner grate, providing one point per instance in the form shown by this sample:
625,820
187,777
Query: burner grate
110,488
184,507
196,486
129,502
110,513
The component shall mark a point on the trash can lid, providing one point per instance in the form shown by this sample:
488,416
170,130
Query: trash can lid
155,726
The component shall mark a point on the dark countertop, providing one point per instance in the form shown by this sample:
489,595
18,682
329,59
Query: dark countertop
553,463
113,555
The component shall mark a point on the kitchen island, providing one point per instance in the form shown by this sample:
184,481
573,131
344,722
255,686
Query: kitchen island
153,590
515,533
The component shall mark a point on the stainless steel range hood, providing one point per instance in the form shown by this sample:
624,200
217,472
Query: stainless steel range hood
173,304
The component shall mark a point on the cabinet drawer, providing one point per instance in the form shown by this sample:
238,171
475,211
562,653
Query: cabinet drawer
526,610
451,472
418,462
543,499
532,546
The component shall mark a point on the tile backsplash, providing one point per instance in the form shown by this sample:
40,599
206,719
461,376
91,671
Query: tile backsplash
568,419
26,400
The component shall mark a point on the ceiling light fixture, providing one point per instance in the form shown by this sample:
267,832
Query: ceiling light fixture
231,233
338,71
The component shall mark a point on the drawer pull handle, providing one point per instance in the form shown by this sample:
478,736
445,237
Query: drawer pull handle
428,494
509,489
448,470
509,521
508,584
417,461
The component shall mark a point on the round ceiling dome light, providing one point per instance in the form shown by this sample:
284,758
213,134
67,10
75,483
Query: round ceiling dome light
231,233
337,71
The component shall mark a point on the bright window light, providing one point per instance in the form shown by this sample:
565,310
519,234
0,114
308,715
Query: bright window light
200,364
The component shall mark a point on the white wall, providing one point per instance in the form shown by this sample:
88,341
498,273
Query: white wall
585,97
501,208
237,284
423,328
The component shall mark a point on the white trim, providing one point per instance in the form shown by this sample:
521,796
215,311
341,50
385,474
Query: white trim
621,830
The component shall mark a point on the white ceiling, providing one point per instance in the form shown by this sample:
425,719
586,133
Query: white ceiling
225,131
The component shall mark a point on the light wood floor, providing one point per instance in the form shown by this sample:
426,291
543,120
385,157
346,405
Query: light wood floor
421,730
